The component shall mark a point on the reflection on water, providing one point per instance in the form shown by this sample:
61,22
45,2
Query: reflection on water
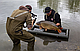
54,4
74,4
51,3
50,39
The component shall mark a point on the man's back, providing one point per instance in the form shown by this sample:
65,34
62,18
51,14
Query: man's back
20,16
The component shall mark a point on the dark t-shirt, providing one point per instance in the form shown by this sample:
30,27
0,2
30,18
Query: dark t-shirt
56,18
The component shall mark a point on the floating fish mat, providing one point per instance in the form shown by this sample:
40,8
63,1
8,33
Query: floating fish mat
63,34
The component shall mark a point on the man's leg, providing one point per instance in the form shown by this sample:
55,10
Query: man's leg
15,41
27,37
30,46
16,47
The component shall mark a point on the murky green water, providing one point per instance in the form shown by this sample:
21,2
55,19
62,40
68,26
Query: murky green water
69,11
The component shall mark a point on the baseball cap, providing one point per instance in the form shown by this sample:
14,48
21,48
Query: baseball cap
47,9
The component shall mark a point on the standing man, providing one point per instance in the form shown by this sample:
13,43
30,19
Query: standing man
52,16
14,27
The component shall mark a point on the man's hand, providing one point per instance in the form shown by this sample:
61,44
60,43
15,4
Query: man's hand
29,26
58,24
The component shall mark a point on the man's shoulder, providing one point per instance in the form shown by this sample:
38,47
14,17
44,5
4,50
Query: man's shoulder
16,10
20,10
53,10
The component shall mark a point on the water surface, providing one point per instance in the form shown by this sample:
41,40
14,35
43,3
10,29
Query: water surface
69,11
